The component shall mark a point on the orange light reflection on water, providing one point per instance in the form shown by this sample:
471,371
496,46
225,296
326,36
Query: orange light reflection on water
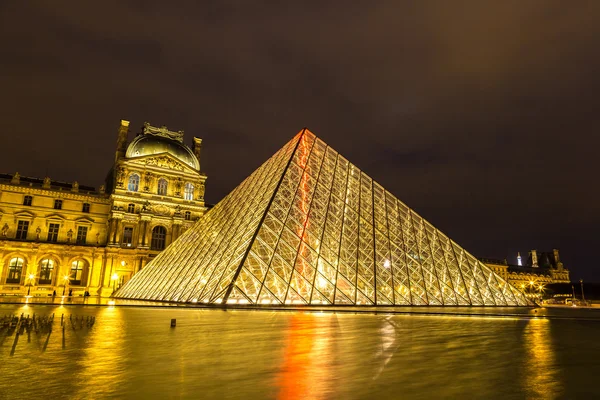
306,365
541,378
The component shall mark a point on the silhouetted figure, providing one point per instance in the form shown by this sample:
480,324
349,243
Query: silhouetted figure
70,292
54,293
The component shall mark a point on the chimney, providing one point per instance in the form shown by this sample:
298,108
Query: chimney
122,139
196,148
559,264
534,260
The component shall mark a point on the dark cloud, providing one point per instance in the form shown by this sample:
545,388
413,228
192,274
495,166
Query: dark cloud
480,115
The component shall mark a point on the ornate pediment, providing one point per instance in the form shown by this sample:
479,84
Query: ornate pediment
24,214
84,220
55,217
163,160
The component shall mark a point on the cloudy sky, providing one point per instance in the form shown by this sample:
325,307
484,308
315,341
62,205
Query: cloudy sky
482,116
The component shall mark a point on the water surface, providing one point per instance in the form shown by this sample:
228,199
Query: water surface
132,352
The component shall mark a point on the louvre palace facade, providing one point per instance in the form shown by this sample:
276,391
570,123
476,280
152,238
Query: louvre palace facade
58,237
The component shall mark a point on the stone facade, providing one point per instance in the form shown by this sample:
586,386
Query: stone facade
540,269
60,237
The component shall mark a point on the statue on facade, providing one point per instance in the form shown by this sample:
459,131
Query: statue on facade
47,182
4,231
178,184
75,187
147,181
16,179
177,212
201,189
102,189
69,235
120,176
146,207
38,232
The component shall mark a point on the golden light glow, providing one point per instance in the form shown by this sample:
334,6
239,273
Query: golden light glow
114,276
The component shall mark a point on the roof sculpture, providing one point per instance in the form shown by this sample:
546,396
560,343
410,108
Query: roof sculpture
308,227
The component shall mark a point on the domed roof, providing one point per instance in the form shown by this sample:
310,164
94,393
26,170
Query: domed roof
160,140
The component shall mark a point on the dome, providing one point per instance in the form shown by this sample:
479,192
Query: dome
148,144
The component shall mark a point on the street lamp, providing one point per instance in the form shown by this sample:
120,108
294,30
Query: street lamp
31,278
65,281
115,278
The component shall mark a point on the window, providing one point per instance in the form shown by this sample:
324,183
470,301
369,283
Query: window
27,200
131,208
58,204
162,187
189,192
159,234
82,234
22,228
86,207
15,269
134,183
76,275
128,236
188,215
53,232
46,270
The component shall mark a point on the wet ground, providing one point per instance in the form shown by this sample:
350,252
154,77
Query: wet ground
132,352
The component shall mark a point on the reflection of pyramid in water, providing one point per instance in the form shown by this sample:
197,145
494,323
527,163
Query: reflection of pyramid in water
308,227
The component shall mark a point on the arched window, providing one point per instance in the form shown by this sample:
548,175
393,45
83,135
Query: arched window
46,271
162,187
78,272
15,270
188,215
159,234
134,183
188,194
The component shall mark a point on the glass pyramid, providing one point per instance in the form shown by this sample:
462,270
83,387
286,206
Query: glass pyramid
308,227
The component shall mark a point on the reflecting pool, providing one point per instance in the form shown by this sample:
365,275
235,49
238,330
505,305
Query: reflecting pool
132,352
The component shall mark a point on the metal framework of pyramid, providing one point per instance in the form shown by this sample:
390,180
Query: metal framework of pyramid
308,227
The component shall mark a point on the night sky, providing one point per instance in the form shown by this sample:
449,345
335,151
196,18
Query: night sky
482,116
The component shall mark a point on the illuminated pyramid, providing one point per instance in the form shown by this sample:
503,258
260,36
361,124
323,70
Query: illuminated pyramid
308,227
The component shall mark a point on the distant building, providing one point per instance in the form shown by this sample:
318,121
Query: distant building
541,268
58,236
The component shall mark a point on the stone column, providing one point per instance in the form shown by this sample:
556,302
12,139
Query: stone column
177,221
112,232
143,235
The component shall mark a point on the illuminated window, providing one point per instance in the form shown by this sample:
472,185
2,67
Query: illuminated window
57,204
53,232
128,236
188,215
189,192
82,234
159,234
15,270
27,200
77,270
46,270
162,187
134,183
22,228
131,208
86,208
